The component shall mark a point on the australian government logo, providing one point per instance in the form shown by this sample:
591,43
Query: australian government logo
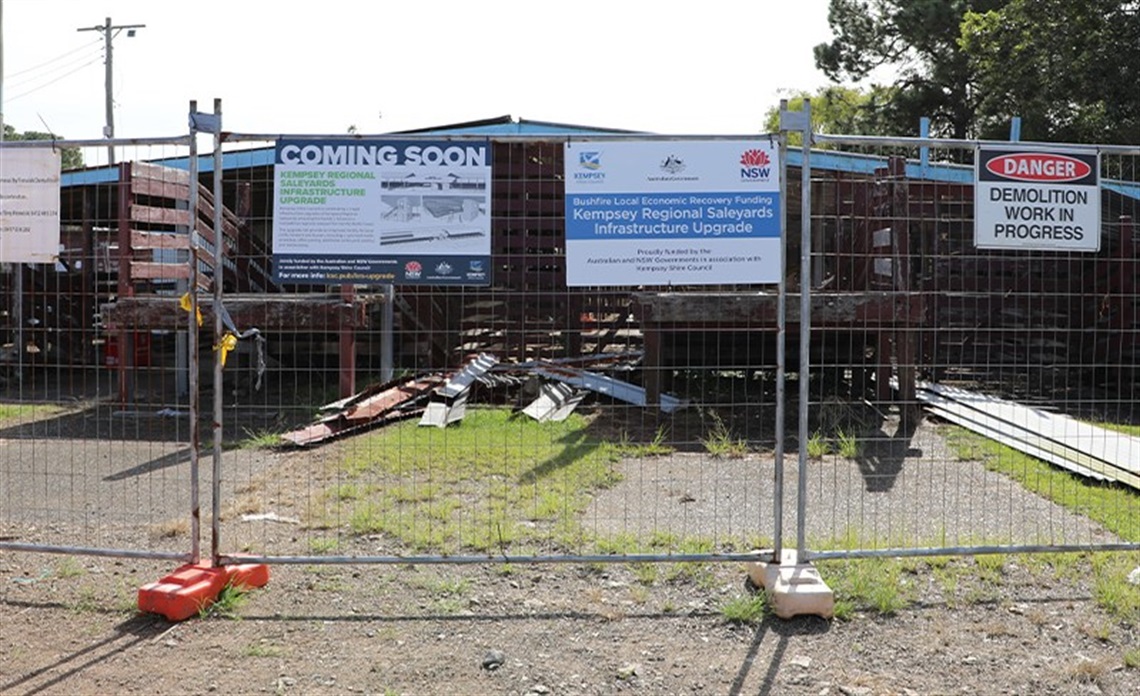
671,168
590,168
755,165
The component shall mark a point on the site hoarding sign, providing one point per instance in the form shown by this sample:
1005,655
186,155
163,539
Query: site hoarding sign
1037,200
680,212
29,205
353,211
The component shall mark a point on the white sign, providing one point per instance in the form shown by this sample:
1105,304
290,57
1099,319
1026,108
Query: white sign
672,213
1036,200
29,205
372,213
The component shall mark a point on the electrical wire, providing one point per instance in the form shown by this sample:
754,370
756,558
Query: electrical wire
46,84
52,60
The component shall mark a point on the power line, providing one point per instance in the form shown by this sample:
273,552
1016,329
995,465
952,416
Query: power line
52,60
29,78
51,82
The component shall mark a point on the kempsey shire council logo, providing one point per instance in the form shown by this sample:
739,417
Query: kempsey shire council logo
590,166
755,165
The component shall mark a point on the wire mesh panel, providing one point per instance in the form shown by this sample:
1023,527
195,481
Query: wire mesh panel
95,435
512,418
982,395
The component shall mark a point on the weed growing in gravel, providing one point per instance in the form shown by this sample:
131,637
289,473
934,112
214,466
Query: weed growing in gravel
745,609
323,545
171,529
69,567
720,442
262,648
848,445
1132,658
868,584
1087,671
818,446
227,605
260,439
658,446
1111,589
646,573
87,601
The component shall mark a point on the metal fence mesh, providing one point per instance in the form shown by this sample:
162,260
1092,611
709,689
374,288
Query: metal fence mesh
926,354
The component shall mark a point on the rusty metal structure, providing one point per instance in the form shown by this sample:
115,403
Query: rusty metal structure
897,289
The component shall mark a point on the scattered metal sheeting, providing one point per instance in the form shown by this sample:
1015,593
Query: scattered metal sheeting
449,402
622,391
372,407
555,402
440,400
1079,447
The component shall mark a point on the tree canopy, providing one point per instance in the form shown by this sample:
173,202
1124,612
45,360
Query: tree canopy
1069,69
70,157
838,109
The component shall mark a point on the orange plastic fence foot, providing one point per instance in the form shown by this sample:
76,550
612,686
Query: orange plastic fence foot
194,587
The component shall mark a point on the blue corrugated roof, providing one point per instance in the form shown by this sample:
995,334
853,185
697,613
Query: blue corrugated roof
506,125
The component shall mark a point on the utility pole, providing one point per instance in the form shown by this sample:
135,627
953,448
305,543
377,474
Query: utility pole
1,71
110,31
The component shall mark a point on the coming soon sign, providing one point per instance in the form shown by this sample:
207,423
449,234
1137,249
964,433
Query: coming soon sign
1036,200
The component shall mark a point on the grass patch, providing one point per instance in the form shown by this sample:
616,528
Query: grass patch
720,442
260,439
847,445
490,482
745,609
263,648
868,584
1132,658
28,412
658,446
818,446
227,606
1114,507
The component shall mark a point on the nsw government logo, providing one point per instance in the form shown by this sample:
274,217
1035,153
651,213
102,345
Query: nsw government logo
755,165
590,167
413,269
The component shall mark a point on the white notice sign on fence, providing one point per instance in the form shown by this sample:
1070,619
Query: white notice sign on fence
29,205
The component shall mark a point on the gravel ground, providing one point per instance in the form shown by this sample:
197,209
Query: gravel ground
909,491
68,625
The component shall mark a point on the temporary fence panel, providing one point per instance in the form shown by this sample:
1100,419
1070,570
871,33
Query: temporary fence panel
483,361
998,327
95,436
464,403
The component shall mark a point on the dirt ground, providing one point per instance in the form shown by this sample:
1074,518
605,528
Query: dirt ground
68,625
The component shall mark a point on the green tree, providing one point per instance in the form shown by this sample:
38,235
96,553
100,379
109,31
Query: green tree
839,110
1070,70
917,40
70,157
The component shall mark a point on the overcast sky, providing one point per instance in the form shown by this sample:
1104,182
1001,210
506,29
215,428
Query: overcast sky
710,67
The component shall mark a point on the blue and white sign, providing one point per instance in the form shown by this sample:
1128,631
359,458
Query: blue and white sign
382,212
672,213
